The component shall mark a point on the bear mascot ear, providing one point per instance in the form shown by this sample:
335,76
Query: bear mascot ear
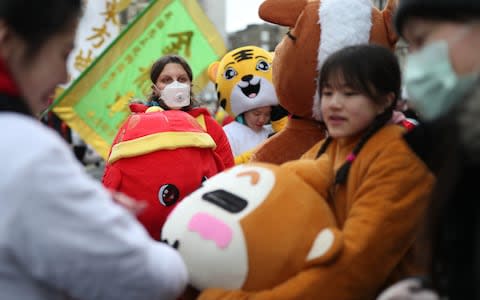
287,16
383,31
387,13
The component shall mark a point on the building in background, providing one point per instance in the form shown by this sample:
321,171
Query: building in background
215,10
265,35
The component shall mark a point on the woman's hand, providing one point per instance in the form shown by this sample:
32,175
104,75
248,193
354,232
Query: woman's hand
132,205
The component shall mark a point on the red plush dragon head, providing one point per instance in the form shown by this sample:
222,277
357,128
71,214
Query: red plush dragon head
160,157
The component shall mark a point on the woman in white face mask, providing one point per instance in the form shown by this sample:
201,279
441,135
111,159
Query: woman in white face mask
172,77
442,79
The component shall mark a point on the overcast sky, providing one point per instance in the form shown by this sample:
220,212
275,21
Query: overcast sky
240,13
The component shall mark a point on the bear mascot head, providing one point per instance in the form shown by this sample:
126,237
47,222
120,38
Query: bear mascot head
159,157
256,227
317,28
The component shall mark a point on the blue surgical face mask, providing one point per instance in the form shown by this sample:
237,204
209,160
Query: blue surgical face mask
431,82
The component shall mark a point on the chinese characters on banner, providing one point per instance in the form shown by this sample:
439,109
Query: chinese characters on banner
96,104
98,27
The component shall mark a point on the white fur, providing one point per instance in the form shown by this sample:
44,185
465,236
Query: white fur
343,23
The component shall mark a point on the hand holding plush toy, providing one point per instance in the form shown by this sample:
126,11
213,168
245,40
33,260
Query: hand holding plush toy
258,230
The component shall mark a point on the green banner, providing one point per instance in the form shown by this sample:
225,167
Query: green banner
96,104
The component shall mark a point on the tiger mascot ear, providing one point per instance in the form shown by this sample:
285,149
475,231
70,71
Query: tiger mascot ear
212,70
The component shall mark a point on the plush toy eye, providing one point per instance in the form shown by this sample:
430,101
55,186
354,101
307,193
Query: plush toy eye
168,194
230,73
262,65
204,178
291,36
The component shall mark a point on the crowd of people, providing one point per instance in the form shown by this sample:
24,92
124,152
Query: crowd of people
403,198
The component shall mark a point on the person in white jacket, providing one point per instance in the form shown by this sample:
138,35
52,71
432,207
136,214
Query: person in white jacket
62,236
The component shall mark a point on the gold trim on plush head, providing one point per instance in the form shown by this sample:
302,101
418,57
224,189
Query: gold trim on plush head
160,141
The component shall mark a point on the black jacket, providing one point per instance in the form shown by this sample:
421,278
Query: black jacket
449,148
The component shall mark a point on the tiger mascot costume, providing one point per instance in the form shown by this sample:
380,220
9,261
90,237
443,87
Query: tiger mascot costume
243,81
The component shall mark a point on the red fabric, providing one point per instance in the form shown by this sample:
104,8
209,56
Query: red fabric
137,107
7,84
227,120
156,176
409,124
216,132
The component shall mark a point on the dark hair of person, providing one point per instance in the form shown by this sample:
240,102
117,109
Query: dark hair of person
37,21
157,69
371,70
451,231
442,11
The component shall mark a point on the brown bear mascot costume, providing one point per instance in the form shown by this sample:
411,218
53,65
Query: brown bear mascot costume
317,29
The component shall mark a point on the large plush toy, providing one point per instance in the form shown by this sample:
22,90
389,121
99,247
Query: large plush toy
258,230
317,29
160,157
243,81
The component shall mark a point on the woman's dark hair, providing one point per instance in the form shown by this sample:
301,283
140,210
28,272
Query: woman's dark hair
371,70
157,69
36,21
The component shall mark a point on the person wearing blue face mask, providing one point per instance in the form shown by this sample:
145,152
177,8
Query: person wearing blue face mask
442,79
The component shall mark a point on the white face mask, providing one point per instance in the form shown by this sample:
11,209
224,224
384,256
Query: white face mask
176,95
432,83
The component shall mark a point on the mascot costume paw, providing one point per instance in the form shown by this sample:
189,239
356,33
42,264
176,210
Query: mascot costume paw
258,231
160,157
317,29
243,81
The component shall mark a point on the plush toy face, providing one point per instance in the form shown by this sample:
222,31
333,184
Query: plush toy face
160,157
317,29
254,226
243,79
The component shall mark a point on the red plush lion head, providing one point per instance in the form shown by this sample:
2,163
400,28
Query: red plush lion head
160,157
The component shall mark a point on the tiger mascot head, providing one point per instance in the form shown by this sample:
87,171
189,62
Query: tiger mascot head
243,80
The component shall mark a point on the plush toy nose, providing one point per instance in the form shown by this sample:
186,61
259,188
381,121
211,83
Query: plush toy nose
226,200
247,78
211,228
